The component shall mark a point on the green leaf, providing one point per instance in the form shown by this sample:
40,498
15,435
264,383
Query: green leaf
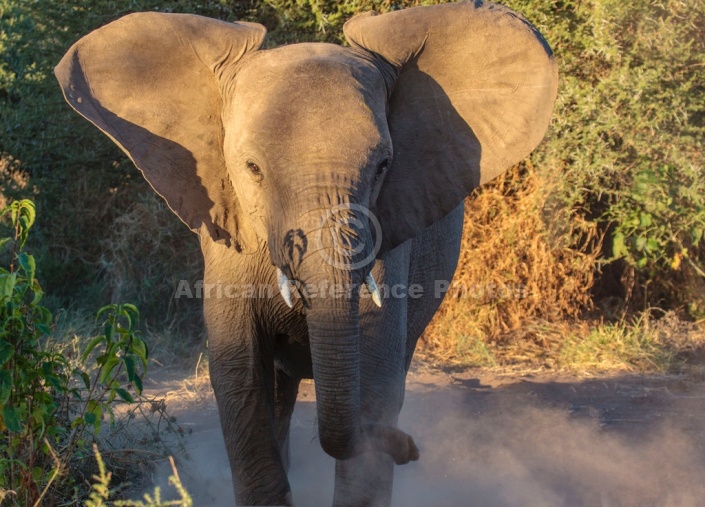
619,248
56,382
12,421
108,368
108,330
95,410
86,379
139,348
696,234
28,210
5,386
111,415
24,231
645,220
44,315
129,367
106,308
6,352
23,214
640,243
45,330
133,315
137,383
89,348
652,245
28,264
38,294
124,395
7,286
131,308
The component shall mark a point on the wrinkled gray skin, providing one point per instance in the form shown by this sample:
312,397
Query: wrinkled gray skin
273,157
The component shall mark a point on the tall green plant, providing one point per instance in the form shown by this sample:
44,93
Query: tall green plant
51,409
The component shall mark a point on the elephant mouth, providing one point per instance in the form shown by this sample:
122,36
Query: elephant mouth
285,286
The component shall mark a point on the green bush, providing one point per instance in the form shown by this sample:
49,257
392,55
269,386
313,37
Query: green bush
84,186
626,143
50,407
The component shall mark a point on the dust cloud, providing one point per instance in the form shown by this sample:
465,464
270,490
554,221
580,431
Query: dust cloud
618,442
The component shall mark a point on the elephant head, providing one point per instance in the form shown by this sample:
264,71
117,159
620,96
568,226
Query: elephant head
288,148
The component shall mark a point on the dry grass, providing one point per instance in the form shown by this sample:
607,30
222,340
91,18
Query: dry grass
523,266
667,344
643,344
524,278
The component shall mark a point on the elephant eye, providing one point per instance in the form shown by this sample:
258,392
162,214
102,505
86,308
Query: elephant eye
254,169
383,166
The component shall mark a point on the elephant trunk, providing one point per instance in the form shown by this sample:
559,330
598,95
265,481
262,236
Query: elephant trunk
334,334
340,255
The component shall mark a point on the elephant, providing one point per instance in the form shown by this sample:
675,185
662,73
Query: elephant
335,175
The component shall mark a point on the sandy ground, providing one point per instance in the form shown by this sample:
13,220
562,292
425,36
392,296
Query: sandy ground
494,440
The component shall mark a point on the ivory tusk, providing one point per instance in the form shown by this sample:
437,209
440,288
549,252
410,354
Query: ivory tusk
284,288
372,287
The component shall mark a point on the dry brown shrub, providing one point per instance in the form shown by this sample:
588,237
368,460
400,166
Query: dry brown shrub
524,265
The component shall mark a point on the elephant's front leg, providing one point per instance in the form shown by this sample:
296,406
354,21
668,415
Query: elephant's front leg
242,375
364,481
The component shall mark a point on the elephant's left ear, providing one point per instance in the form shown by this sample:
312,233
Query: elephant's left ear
153,83
473,94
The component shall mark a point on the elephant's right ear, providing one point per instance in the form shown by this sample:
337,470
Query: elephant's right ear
472,91
152,82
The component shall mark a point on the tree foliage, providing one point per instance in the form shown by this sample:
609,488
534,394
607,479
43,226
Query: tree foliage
625,150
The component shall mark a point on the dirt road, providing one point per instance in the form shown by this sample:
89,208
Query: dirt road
503,441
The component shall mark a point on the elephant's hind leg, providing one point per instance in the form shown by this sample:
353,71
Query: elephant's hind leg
434,257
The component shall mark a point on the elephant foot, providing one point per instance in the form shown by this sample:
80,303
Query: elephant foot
393,441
